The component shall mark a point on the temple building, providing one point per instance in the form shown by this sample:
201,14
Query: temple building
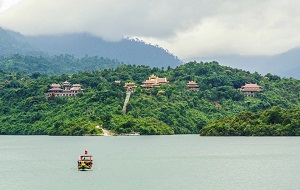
251,89
193,86
154,81
67,90
130,86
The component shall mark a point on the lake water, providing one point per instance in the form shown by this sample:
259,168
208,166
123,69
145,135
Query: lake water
179,162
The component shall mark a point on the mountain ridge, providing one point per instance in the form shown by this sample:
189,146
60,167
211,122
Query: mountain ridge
135,51
12,42
129,51
286,64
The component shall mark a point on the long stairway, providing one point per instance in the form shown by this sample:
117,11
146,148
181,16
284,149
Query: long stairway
128,93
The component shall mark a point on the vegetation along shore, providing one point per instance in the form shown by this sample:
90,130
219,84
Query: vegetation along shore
217,107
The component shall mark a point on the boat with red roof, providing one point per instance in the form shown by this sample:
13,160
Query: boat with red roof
85,162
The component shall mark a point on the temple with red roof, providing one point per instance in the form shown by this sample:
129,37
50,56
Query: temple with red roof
154,81
193,86
66,90
251,89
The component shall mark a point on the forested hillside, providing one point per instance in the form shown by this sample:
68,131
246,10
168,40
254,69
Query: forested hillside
132,51
54,65
128,51
13,42
167,109
285,64
275,121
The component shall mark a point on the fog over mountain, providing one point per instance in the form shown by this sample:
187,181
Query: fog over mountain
190,28
128,51
285,64
13,42
134,51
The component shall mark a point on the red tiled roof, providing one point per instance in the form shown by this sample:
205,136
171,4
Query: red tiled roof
55,85
251,88
191,82
152,77
76,88
56,89
154,81
161,80
149,82
129,84
193,85
66,83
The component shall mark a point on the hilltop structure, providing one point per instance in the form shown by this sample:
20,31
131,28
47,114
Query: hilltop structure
193,86
154,81
251,89
130,86
67,90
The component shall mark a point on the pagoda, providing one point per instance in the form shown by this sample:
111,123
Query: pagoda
154,81
251,89
193,86
130,86
66,90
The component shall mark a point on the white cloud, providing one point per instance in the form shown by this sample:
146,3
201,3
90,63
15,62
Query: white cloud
188,28
247,29
7,4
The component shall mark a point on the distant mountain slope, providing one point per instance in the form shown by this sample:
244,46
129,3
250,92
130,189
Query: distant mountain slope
126,50
54,65
248,63
286,64
13,42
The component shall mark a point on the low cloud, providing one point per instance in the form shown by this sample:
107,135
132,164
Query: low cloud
7,4
186,28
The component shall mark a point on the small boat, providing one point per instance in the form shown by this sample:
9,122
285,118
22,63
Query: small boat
85,162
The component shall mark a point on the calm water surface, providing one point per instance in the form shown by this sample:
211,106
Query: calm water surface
179,162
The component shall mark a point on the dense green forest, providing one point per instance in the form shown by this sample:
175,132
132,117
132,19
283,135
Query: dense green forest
168,109
12,42
54,65
272,122
127,50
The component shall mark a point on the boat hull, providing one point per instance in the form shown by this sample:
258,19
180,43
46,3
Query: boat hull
84,169
85,163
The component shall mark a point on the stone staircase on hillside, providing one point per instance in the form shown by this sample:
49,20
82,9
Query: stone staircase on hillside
128,93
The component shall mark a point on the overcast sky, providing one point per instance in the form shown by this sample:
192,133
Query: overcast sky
188,29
